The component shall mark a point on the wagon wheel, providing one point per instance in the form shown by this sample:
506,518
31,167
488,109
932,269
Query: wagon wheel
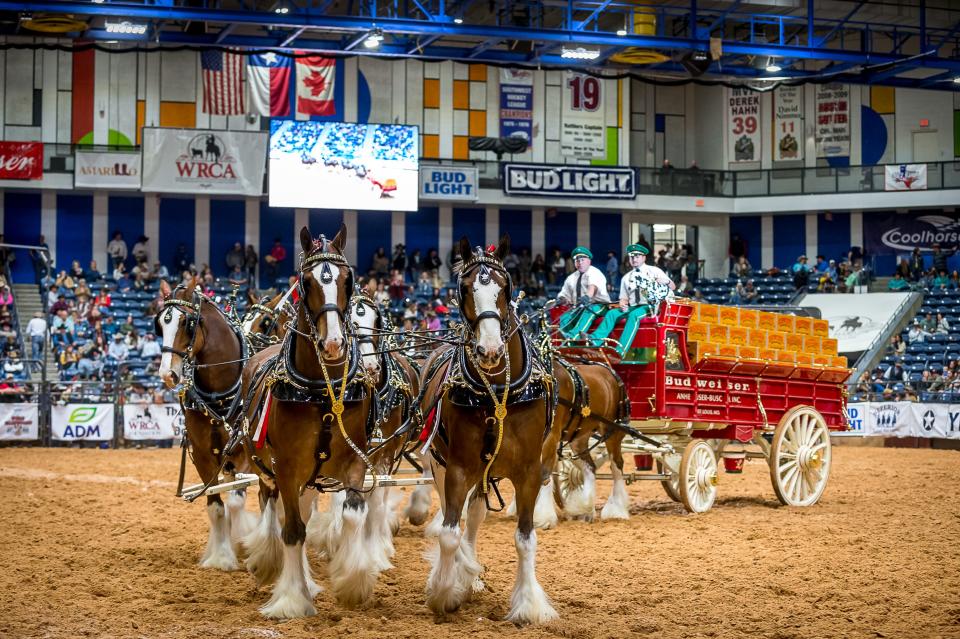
698,476
569,475
800,457
670,486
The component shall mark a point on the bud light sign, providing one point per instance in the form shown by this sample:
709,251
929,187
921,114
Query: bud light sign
76,422
448,183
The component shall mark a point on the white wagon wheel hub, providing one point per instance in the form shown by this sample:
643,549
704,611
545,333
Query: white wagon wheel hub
808,458
698,476
705,478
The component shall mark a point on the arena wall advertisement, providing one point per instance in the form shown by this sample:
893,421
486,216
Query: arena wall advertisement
569,181
338,165
891,233
21,160
19,422
448,183
905,419
201,161
152,421
99,170
82,422
905,177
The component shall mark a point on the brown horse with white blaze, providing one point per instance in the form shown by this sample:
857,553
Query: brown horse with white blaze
202,350
490,402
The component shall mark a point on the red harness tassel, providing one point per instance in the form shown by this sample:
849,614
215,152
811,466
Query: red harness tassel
260,435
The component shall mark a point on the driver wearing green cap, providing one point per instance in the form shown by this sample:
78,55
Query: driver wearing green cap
645,285
586,287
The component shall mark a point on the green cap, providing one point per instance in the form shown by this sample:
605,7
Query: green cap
581,250
637,248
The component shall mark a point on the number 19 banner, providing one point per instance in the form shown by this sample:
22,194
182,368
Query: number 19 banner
743,125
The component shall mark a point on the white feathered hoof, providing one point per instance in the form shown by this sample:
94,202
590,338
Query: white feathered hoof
219,554
618,503
264,548
291,595
433,528
242,521
528,603
353,568
453,575
545,511
418,509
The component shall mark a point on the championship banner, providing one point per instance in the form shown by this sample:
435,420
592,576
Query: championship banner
76,422
905,177
19,422
516,104
582,134
448,183
743,125
152,421
101,170
892,233
198,161
910,419
788,124
833,120
569,181
21,160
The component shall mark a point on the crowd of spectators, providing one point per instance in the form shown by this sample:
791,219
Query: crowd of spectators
913,273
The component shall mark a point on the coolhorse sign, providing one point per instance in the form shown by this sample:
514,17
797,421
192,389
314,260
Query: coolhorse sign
448,183
892,233
569,181
95,170
202,161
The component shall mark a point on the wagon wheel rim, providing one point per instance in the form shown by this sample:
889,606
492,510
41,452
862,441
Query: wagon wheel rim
670,486
569,477
698,477
800,457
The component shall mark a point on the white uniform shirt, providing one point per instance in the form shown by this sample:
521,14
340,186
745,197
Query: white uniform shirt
633,283
594,277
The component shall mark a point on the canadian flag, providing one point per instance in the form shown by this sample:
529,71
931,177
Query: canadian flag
315,79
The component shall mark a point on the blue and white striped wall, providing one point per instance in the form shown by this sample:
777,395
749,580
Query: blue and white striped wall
777,240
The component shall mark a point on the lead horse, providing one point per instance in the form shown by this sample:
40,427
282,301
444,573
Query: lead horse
489,403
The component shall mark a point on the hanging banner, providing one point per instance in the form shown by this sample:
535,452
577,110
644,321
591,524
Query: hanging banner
199,161
100,170
743,125
788,124
892,233
833,120
908,419
19,422
21,160
448,183
76,422
569,181
905,177
855,421
582,134
516,104
152,421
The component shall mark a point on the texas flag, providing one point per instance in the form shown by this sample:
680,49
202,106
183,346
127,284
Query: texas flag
268,77
315,83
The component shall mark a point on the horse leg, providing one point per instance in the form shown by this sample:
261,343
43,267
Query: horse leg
377,531
354,566
618,503
421,498
545,511
452,572
323,522
263,546
241,521
292,596
307,500
476,513
219,552
528,603
581,501
439,477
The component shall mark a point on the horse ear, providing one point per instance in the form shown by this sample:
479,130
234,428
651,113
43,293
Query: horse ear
306,240
165,290
194,282
340,241
504,249
465,249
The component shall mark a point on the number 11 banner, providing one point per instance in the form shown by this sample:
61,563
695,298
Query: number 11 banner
743,125
788,124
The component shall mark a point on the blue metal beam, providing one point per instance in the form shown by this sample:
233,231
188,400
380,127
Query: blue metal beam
290,38
720,18
224,32
936,79
953,30
483,46
596,12
842,22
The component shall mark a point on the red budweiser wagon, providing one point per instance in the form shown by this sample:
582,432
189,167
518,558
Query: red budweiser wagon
715,382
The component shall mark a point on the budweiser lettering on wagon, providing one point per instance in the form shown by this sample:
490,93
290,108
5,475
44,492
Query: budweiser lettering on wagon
21,160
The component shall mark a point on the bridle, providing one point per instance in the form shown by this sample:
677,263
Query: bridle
364,304
272,315
326,277
486,264
192,311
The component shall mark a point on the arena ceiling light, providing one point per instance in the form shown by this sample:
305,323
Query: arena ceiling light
374,38
579,54
127,27
772,66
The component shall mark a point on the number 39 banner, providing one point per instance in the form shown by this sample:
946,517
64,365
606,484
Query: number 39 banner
743,125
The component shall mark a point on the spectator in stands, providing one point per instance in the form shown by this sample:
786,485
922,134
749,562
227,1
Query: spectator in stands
742,267
141,250
916,334
433,322
898,283
76,271
382,296
277,255
928,324
821,265
64,282
414,265
124,283
63,319
10,390
931,381
92,273
380,263
82,288
250,262
941,281
424,286
398,288
61,338
738,249
801,272
943,326
511,262
90,364
897,346
855,257
398,261
903,269
538,272
526,266
103,299
37,334
6,298
150,347
558,267
68,360
954,283
236,258
916,265
13,364
127,326
612,268
896,373
117,249
118,350
238,276
41,260
6,330
940,257
827,278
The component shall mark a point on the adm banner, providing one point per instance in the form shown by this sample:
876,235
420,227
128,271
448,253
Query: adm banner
152,421
199,161
448,183
569,181
21,160
76,422
96,170
19,422
905,177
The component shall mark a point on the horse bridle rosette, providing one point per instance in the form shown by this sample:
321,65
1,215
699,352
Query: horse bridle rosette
191,311
486,264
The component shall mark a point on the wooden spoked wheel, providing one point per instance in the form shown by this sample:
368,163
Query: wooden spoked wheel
800,457
570,476
698,476
670,486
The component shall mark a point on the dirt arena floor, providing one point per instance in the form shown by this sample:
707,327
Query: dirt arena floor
98,546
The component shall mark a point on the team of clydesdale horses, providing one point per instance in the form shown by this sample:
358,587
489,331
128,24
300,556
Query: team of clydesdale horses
313,392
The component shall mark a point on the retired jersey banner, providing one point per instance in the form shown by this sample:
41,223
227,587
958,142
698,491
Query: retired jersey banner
152,421
833,120
788,124
202,161
19,422
76,422
582,134
743,125
448,183
102,170
905,177
569,181
516,104
21,160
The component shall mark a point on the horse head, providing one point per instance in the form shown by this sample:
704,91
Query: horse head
484,289
178,324
365,316
326,285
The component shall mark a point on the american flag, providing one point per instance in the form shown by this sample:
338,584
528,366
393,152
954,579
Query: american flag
222,83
